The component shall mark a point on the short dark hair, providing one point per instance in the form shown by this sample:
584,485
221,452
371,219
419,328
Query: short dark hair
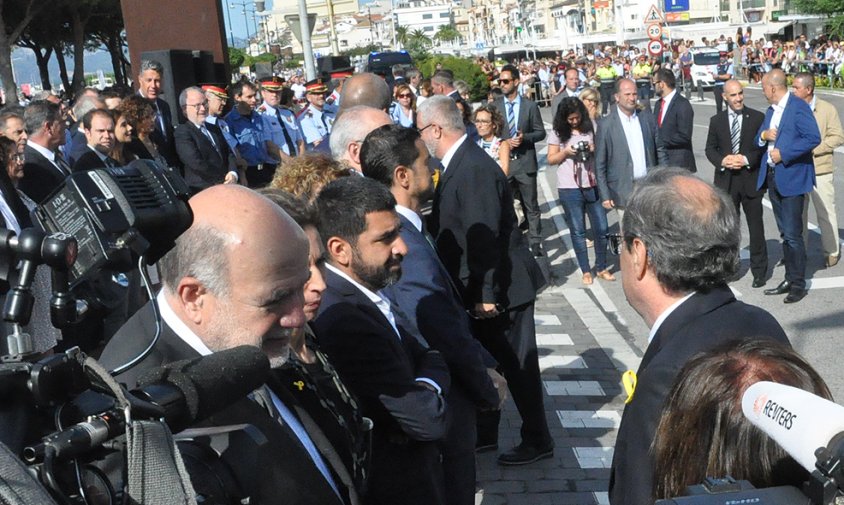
237,88
666,76
692,238
702,431
385,148
304,213
89,116
512,69
40,112
343,205
572,69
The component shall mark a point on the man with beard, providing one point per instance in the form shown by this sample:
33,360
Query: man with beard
213,302
399,382
675,121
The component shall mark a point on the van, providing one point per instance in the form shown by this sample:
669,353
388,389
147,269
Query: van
704,64
381,63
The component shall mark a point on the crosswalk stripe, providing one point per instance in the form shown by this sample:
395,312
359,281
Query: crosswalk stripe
609,419
546,320
553,339
594,457
554,361
601,497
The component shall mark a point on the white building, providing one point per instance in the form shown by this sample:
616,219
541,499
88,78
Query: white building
422,15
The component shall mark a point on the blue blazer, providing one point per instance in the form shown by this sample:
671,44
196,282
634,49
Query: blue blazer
797,135
431,303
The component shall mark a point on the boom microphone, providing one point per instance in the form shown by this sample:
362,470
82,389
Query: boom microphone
193,390
799,421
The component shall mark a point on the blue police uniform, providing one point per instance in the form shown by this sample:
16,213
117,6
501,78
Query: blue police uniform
316,124
284,128
252,132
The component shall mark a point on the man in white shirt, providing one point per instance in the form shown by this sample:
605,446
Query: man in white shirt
45,169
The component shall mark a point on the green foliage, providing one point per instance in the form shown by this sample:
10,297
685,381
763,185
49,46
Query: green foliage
263,58
402,35
464,70
360,51
418,43
236,57
832,8
447,33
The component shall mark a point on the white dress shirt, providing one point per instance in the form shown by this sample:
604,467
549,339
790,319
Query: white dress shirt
50,155
635,143
450,153
667,312
779,108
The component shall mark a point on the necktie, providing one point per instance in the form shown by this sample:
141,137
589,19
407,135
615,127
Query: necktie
159,119
64,168
735,134
511,118
207,134
109,162
661,111
291,147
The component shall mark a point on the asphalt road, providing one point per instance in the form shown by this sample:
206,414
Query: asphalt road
814,325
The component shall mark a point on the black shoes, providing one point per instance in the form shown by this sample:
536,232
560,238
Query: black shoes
783,288
758,282
537,251
524,454
795,295
485,447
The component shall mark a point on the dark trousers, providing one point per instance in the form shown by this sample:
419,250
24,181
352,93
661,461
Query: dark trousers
756,229
458,448
511,339
607,99
718,90
643,93
258,176
788,211
524,185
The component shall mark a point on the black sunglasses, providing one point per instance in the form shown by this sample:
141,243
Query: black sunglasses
505,81
614,243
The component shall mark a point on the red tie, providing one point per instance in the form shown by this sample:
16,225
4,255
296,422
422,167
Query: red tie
661,110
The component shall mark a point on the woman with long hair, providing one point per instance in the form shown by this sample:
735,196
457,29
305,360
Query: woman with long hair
403,112
140,116
123,137
489,123
571,145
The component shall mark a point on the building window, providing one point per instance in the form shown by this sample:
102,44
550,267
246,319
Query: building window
428,29
427,16
444,14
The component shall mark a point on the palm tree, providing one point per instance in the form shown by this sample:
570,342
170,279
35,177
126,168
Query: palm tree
420,38
402,35
447,34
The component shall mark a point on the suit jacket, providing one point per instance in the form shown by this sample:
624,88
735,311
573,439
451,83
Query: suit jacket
613,164
529,122
832,136
699,324
164,140
719,144
78,144
797,135
675,132
89,161
430,303
381,369
205,164
40,176
284,468
474,226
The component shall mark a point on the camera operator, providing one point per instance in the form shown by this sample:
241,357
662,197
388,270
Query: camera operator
571,145
236,277
705,406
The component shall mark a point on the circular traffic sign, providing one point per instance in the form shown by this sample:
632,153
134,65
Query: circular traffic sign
655,47
654,31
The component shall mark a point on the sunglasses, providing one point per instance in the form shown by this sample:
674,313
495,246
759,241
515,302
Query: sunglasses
405,95
614,243
505,81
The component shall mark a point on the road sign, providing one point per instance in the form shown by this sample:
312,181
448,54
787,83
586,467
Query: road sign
655,47
653,16
654,31
676,5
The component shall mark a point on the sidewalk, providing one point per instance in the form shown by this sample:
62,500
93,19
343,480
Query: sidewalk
581,355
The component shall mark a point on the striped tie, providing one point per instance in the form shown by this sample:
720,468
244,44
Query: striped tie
511,118
735,134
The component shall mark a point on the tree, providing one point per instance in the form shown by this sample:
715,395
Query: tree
236,57
447,34
834,9
105,29
15,16
41,36
418,44
402,34
464,70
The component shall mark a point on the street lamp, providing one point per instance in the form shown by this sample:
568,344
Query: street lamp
244,6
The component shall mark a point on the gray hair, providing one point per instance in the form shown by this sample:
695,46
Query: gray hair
202,253
348,128
42,95
442,110
183,96
462,87
85,104
411,73
443,78
39,113
6,115
692,237
151,65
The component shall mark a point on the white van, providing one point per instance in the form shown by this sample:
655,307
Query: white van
704,63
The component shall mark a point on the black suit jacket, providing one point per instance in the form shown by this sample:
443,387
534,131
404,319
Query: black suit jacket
164,140
381,370
430,303
285,468
719,145
205,164
529,122
701,323
40,176
89,161
675,132
474,226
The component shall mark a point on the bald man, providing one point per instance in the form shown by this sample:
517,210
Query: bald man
790,133
213,302
365,89
351,127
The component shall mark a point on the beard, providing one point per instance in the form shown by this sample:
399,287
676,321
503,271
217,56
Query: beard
432,148
376,277
226,332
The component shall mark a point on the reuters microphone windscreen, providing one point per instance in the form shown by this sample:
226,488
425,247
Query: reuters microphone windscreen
799,421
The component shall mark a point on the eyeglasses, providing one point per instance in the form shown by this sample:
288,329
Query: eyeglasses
614,243
420,130
405,95
198,105
483,121
505,81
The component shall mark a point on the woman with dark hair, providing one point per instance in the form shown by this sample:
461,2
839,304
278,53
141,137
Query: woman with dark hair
489,123
122,138
571,145
140,116
703,432
403,111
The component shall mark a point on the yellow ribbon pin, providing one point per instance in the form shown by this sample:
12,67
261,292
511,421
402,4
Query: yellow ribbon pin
628,379
299,384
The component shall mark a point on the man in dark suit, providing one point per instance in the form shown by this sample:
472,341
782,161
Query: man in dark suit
675,121
149,87
731,147
442,82
524,129
626,147
474,226
201,147
680,246
397,158
98,126
217,301
45,169
399,382
790,133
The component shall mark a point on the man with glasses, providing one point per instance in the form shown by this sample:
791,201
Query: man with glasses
201,146
284,128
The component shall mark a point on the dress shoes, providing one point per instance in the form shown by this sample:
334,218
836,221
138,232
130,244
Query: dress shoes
537,251
758,282
783,288
831,260
795,295
524,454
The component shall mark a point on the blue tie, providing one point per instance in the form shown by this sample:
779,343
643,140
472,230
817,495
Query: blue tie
511,118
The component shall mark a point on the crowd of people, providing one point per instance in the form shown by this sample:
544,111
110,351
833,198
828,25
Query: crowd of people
395,334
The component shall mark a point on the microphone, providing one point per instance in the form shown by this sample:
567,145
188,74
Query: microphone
799,421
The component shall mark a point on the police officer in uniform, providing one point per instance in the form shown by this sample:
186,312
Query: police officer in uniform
723,73
338,77
315,119
607,74
252,131
284,128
